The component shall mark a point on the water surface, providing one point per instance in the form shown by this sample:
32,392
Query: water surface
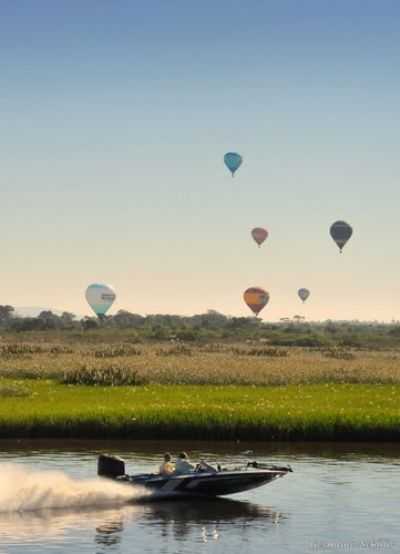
341,497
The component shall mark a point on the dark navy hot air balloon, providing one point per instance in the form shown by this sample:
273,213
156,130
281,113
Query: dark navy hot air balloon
341,231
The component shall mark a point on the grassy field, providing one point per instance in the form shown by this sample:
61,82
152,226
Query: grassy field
119,359
93,385
45,408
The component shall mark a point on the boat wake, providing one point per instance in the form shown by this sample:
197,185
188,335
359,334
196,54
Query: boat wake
23,490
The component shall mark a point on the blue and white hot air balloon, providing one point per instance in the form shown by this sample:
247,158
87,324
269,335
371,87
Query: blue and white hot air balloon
100,298
233,161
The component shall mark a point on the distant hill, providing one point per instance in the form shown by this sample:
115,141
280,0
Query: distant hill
34,311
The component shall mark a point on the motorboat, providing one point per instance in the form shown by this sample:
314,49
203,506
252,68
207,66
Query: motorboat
205,482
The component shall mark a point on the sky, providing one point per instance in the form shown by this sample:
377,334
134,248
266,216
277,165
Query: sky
115,117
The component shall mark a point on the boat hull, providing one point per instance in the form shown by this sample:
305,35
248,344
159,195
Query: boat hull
206,484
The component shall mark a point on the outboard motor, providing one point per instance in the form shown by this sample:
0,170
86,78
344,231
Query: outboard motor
110,466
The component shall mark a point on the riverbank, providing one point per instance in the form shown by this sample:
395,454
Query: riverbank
47,408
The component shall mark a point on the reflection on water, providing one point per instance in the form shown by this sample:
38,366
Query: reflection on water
50,525
201,520
206,510
150,450
109,533
214,517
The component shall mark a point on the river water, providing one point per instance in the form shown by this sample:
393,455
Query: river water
339,498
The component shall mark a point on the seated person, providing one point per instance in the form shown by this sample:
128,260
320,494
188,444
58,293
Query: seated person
167,468
182,464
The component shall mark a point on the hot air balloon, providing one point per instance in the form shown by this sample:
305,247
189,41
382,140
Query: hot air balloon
340,232
100,298
303,294
233,161
259,235
256,299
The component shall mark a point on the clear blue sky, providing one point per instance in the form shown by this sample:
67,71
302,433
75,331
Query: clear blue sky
114,119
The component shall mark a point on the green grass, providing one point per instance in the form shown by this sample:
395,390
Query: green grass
304,412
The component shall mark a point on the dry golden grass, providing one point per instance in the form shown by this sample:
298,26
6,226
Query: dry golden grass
177,363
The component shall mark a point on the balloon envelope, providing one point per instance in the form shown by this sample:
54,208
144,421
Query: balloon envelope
100,298
256,298
233,161
303,294
340,231
259,235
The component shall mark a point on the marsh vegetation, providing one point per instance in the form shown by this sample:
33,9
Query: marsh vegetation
117,383
120,357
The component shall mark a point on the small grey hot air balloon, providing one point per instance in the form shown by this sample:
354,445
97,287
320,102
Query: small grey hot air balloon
303,294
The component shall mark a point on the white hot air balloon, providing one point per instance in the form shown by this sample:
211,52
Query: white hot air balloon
100,298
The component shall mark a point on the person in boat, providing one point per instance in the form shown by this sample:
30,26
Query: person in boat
183,465
167,467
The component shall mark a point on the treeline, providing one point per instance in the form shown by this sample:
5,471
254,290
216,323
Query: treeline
212,326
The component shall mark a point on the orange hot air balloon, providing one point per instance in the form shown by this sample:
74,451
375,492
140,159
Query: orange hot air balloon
256,299
259,235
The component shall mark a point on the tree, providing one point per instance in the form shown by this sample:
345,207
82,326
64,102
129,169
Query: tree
67,319
49,320
6,313
125,319
298,318
89,323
